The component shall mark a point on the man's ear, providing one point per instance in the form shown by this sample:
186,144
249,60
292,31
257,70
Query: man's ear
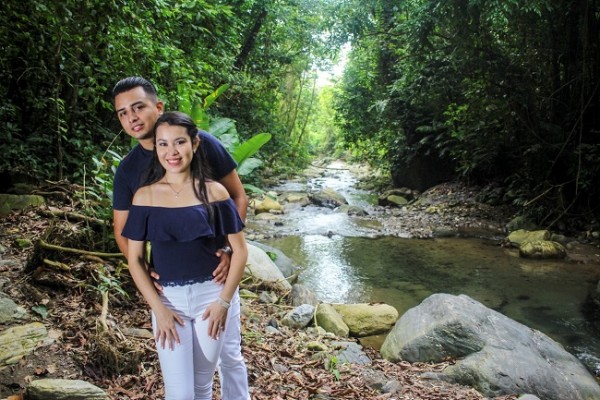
159,106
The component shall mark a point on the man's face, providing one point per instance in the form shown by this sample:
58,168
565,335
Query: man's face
137,112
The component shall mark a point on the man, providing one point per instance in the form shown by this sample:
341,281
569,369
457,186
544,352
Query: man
138,107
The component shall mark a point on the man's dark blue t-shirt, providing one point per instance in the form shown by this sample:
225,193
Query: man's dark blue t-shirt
133,167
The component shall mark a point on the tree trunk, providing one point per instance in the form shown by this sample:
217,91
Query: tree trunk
242,58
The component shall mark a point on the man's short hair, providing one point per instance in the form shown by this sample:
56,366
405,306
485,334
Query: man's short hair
132,82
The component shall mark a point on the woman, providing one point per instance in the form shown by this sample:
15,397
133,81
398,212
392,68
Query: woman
186,218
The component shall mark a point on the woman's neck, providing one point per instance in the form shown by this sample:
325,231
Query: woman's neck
178,178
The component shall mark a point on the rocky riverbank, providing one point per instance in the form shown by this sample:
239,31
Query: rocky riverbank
107,344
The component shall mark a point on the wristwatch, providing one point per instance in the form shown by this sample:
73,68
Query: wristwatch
227,249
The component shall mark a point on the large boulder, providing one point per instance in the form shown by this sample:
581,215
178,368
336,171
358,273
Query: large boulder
286,265
331,321
542,249
494,354
521,236
367,319
262,269
328,198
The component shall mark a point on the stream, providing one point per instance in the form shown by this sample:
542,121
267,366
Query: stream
347,259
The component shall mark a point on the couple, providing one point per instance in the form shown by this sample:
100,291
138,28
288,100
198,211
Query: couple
178,189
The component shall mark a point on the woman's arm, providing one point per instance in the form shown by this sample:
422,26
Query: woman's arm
165,317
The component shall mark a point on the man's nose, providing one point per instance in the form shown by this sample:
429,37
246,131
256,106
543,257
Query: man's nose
132,116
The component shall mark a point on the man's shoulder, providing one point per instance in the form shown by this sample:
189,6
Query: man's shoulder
206,136
132,158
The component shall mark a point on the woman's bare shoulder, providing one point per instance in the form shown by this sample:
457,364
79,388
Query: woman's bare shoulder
216,191
143,196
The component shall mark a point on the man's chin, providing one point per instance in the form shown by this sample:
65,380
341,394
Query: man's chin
143,136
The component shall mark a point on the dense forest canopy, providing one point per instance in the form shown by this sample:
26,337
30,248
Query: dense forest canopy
503,93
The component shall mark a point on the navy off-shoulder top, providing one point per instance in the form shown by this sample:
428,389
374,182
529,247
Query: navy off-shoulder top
183,240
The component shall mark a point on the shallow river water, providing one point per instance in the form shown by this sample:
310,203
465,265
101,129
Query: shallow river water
343,260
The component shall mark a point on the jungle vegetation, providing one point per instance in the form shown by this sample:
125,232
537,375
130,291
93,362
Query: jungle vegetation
500,93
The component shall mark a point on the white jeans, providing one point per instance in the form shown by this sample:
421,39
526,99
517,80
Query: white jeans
187,372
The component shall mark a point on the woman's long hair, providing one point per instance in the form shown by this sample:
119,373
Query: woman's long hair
199,166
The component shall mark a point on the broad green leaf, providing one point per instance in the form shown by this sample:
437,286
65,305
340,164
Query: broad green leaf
250,147
248,165
41,310
214,95
253,189
221,126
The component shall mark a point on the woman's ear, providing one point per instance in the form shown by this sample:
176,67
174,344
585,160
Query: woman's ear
196,144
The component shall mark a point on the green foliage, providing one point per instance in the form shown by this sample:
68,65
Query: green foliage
504,90
40,310
60,59
107,282
224,129
331,366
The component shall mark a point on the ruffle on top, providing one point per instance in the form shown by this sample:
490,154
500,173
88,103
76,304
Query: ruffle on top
182,224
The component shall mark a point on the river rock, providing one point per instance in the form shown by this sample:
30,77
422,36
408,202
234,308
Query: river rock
351,353
267,205
591,306
295,198
367,319
520,236
268,297
64,389
303,295
328,198
10,311
542,249
12,202
521,222
331,320
18,341
299,317
396,200
379,381
352,210
494,354
261,268
286,265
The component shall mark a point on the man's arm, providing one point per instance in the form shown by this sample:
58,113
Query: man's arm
119,220
234,186
236,191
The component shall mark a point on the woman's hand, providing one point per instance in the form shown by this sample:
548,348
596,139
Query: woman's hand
166,329
217,316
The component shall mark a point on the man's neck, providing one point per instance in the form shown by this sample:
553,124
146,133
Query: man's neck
147,144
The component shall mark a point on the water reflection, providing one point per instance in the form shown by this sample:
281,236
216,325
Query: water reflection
545,295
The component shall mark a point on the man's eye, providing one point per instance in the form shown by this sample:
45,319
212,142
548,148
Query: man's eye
137,108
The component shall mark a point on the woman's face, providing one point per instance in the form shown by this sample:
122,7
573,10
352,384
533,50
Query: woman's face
174,147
